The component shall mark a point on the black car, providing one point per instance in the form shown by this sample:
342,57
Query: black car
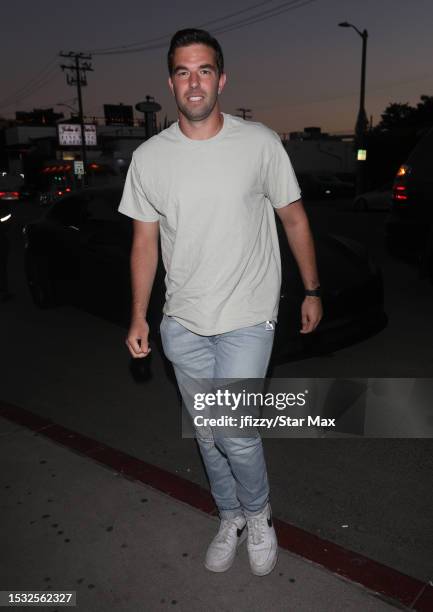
324,186
78,253
5,223
409,228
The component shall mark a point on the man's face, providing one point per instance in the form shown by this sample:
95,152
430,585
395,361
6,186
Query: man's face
195,83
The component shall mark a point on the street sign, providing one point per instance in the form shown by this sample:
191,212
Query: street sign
362,154
78,168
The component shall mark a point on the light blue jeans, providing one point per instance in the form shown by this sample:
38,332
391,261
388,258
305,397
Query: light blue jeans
235,466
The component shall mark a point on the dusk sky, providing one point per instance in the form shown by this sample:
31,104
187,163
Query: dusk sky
295,69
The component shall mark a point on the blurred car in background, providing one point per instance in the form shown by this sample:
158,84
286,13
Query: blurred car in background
5,214
11,186
409,227
5,223
322,186
377,199
78,253
9,195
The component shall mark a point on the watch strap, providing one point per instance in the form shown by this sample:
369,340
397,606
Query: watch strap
313,292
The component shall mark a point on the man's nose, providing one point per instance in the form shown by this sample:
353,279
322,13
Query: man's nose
194,79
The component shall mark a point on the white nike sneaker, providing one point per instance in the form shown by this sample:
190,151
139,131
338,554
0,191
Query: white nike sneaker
262,543
222,550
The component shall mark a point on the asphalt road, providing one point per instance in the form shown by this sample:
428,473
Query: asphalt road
372,496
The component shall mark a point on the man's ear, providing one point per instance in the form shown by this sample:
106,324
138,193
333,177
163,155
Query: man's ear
221,82
170,84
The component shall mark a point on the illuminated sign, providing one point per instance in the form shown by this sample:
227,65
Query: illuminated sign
78,168
70,134
362,154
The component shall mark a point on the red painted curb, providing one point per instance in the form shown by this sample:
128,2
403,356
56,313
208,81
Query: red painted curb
425,601
373,575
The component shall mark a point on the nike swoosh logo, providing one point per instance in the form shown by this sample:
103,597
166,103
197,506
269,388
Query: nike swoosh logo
240,531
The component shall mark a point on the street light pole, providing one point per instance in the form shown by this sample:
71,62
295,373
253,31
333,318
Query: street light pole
362,120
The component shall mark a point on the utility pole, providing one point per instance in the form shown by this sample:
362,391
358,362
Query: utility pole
244,113
78,78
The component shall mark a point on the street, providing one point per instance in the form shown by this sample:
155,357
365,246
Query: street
372,496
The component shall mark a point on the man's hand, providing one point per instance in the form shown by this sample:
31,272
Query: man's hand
137,340
312,313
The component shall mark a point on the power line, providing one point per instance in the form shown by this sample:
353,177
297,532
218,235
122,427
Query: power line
152,44
41,79
262,17
31,92
12,100
164,37
38,76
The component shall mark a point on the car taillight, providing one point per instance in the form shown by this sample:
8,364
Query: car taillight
16,194
2,193
399,191
404,170
399,188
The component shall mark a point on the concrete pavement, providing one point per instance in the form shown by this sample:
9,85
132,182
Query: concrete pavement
68,523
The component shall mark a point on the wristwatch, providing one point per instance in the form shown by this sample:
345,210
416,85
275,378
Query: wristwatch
313,292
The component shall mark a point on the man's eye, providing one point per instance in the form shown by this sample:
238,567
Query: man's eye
204,71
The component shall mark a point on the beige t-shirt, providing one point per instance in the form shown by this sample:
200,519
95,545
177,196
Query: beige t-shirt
214,201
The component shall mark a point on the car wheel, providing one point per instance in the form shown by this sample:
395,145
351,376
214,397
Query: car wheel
40,285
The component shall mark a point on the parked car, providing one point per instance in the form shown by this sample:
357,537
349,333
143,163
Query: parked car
78,253
5,214
322,186
377,199
409,227
11,186
5,223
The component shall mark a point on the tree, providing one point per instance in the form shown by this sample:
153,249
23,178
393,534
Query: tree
399,116
392,139
424,112
395,115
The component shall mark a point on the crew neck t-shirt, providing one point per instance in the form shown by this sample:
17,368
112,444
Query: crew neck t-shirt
214,201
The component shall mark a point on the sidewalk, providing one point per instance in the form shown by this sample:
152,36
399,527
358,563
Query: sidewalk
70,523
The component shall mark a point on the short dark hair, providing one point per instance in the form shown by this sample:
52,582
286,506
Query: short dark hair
192,36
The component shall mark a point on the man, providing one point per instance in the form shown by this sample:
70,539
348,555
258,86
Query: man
211,182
